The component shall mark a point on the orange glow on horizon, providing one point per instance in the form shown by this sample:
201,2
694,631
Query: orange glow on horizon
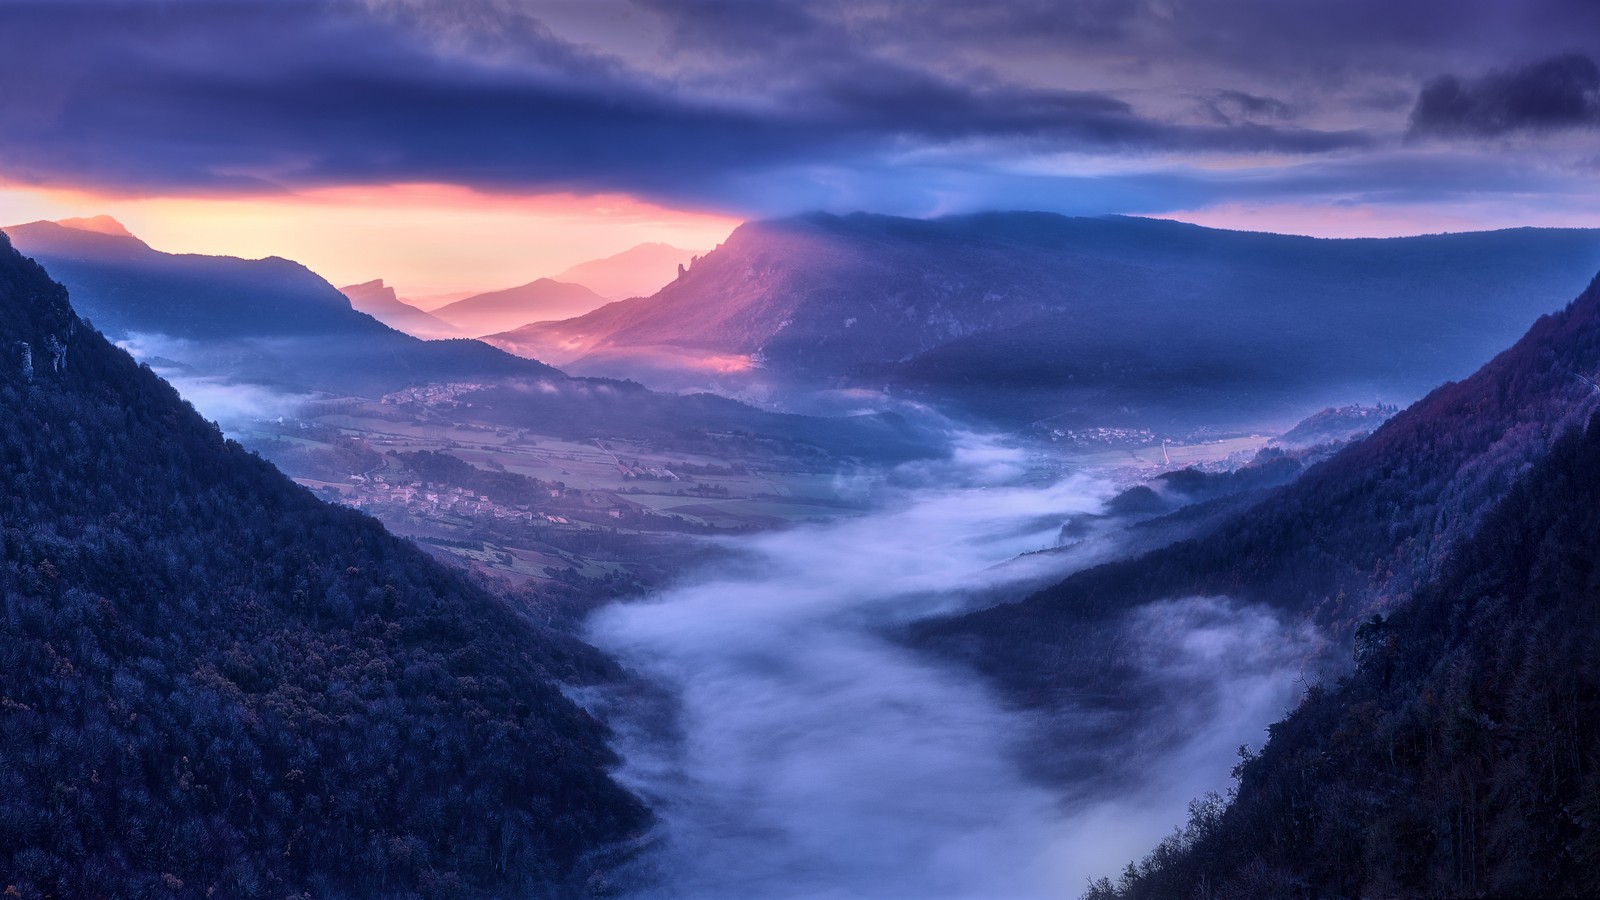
420,238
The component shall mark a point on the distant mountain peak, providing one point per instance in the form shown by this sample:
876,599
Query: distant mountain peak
377,299
638,271
101,224
544,299
374,288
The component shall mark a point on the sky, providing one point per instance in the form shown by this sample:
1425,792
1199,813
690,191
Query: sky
471,144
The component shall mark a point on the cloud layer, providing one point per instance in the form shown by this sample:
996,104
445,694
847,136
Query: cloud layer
1556,93
768,107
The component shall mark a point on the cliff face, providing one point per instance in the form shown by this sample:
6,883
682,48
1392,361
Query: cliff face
379,301
202,660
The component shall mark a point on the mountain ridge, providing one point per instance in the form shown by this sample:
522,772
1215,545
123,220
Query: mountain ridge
204,660
1360,530
639,271
1355,535
271,321
1021,317
538,300
379,300
301,336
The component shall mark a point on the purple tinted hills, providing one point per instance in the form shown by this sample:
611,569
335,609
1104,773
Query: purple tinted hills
1017,317
268,320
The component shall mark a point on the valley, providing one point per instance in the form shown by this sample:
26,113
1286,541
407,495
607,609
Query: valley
607,514
793,450
805,751
845,644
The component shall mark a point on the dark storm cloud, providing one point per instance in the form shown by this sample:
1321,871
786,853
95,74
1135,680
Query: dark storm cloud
1254,46
1555,93
1232,107
252,95
1304,38
753,107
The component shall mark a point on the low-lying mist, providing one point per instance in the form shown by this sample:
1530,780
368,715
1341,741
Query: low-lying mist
227,401
806,753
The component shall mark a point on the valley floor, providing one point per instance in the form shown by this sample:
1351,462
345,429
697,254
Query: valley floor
800,750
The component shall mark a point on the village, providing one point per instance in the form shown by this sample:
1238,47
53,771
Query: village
429,500
1103,437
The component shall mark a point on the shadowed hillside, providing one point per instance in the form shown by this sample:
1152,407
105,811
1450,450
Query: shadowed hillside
216,685
1356,533
1459,758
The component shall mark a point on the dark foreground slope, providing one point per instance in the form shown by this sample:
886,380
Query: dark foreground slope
1022,316
1461,758
212,684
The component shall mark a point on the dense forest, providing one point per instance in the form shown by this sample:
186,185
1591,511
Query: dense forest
216,685
1455,547
1460,758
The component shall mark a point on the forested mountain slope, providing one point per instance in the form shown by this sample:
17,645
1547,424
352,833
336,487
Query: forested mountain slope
1355,534
214,685
1460,758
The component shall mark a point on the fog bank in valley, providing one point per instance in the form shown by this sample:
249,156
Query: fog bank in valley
807,754
224,400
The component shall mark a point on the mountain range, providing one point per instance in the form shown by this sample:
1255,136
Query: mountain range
380,301
274,323
207,660
1022,317
267,321
537,301
218,686
636,272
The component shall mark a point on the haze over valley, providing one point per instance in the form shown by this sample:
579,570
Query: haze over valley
1106,451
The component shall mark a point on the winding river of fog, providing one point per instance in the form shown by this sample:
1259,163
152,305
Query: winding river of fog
806,755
